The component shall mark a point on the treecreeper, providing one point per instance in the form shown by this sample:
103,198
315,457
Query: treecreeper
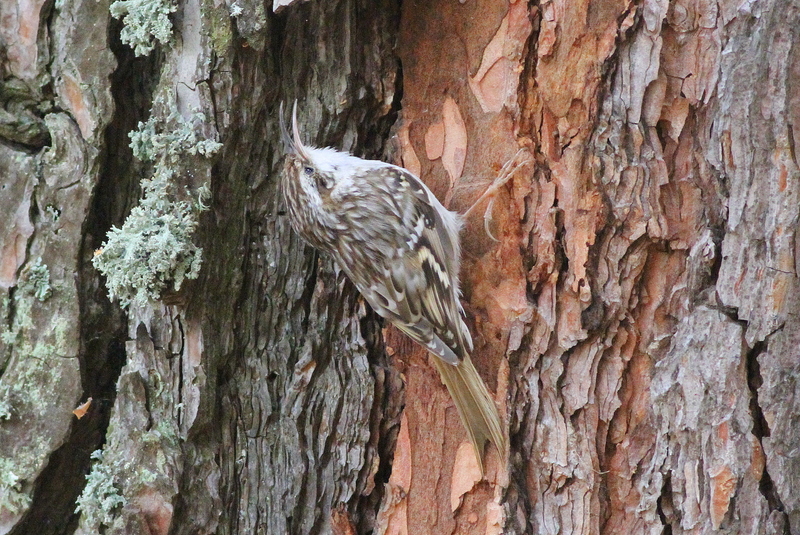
400,247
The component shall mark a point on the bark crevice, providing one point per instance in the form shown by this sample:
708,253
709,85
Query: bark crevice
761,430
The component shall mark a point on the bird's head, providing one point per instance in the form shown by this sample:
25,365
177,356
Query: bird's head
311,173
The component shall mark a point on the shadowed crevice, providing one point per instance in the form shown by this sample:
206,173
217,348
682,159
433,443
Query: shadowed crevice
761,430
103,325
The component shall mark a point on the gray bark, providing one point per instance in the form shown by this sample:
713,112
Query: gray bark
259,399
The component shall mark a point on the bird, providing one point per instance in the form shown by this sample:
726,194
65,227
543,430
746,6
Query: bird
400,247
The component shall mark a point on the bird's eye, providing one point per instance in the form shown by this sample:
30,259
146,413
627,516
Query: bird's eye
308,171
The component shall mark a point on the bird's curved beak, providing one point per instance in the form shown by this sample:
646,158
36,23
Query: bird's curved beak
291,142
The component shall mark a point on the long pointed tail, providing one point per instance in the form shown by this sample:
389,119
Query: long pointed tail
474,403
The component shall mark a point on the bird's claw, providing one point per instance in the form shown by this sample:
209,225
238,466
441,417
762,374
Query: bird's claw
507,172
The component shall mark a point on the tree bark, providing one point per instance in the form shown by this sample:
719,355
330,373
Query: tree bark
636,317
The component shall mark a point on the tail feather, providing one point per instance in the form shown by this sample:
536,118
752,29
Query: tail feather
474,403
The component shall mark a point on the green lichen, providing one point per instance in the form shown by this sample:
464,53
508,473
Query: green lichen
118,477
100,497
149,144
12,497
23,312
8,335
33,285
30,381
153,250
37,280
38,350
218,26
145,22
52,212
5,405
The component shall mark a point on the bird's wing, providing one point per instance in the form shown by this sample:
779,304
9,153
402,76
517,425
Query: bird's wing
420,291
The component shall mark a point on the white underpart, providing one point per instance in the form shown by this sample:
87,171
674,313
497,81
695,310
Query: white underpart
341,165
311,192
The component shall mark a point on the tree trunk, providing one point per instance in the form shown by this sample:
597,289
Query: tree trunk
636,317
